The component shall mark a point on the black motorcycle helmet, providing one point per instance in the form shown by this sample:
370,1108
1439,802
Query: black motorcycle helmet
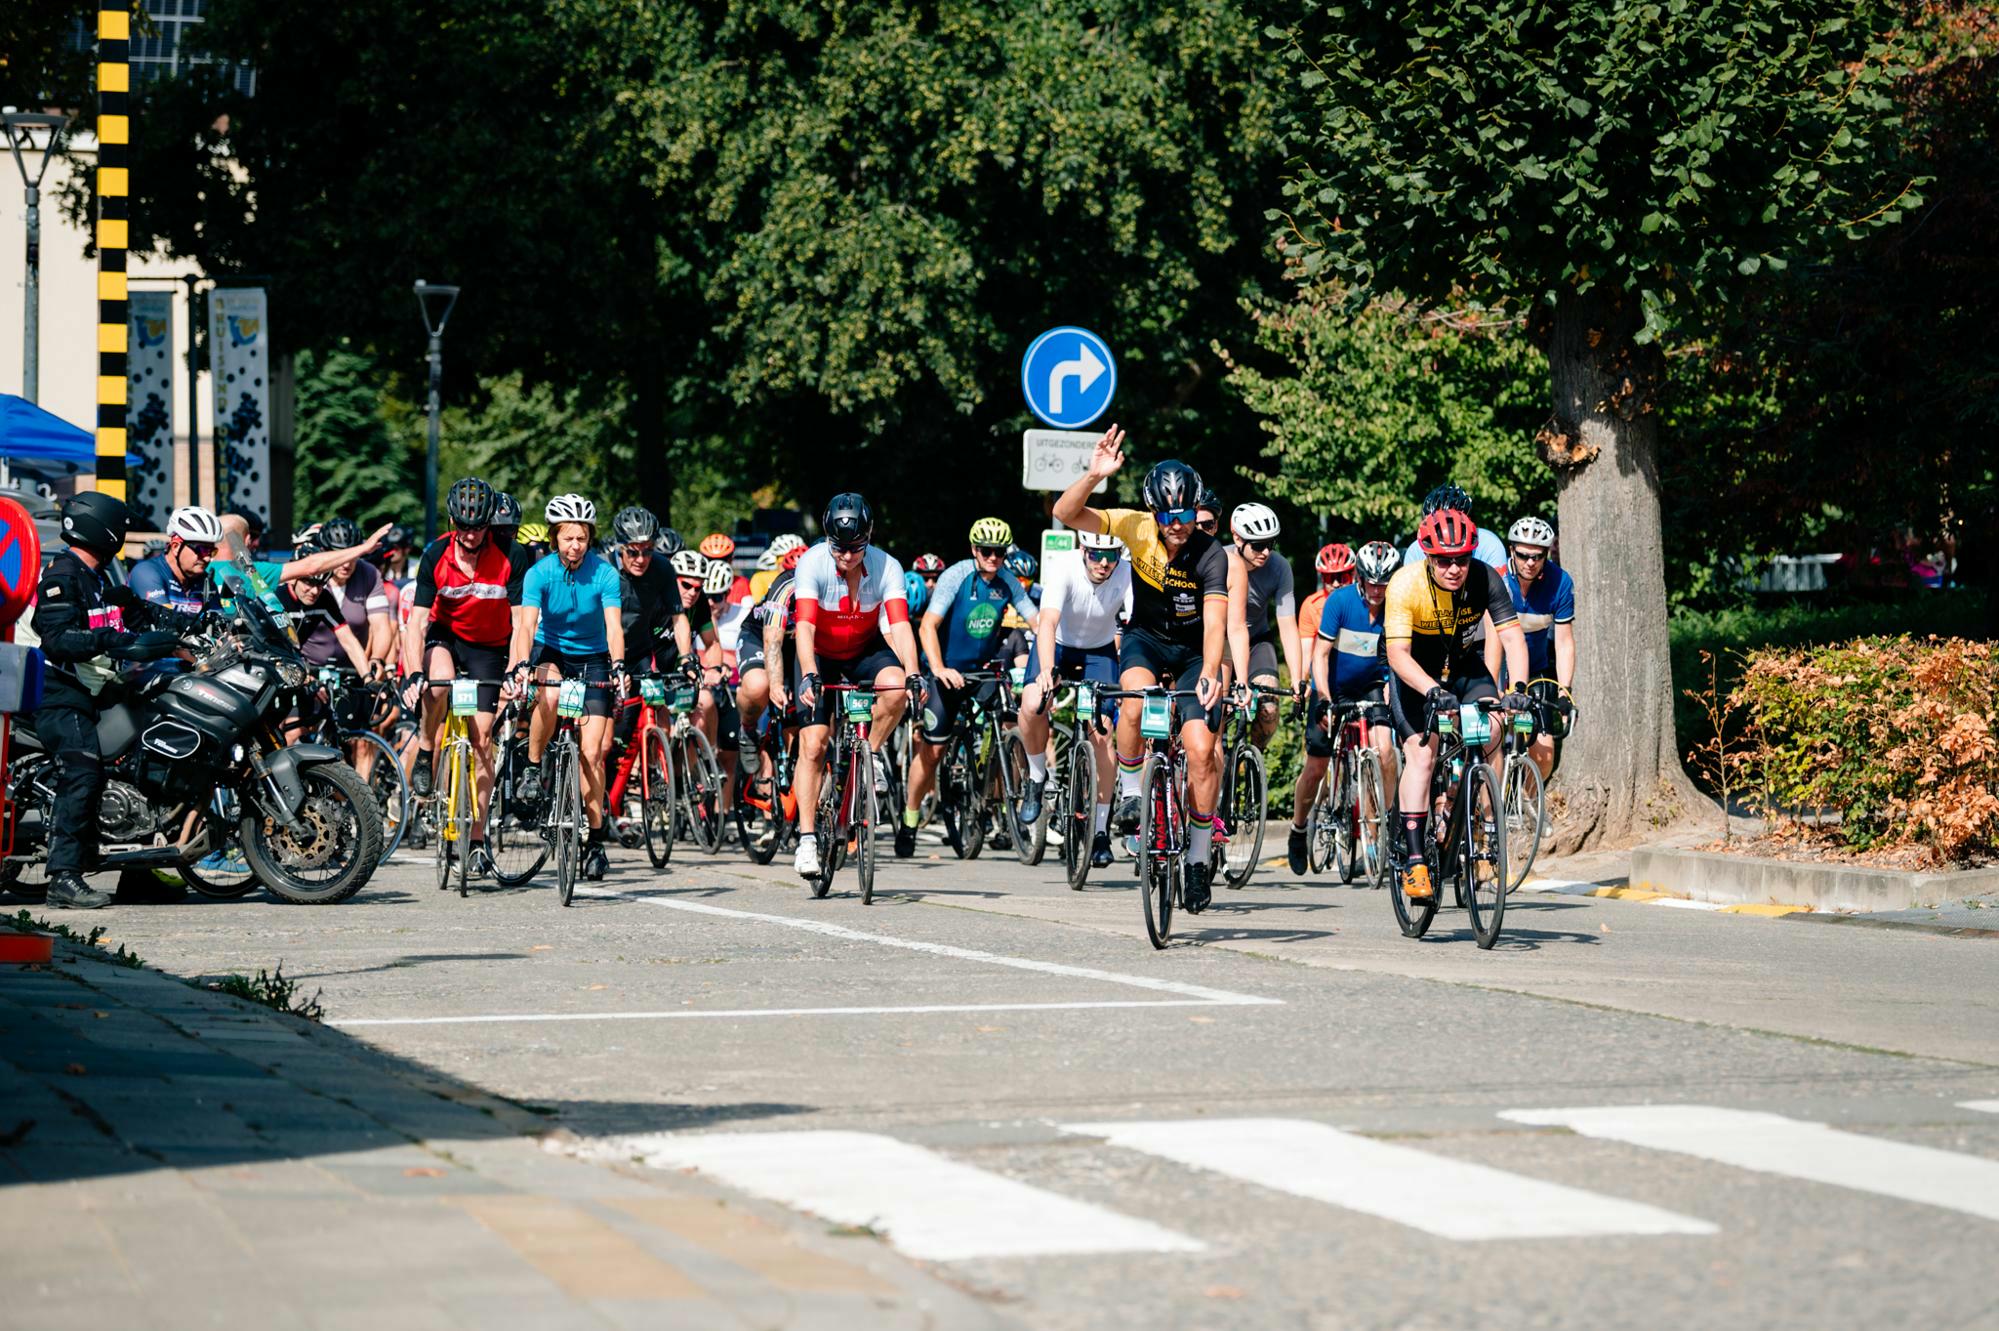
339,533
471,503
96,522
1446,496
1170,486
506,510
634,526
849,522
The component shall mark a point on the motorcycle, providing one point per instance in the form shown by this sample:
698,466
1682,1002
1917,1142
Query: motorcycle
196,760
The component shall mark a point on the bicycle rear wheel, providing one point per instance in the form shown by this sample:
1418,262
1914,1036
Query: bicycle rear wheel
701,785
516,847
656,795
1370,815
965,813
1079,822
1321,828
566,826
1413,916
1247,801
1158,857
1482,865
827,822
1524,806
387,783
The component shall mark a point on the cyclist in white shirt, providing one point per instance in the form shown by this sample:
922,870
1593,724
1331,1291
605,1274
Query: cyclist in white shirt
1085,596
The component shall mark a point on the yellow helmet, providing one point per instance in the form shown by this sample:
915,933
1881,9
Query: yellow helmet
992,531
532,533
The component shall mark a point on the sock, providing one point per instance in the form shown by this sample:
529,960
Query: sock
1412,833
1037,766
1297,826
808,839
1127,776
1200,836
1103,816
910,817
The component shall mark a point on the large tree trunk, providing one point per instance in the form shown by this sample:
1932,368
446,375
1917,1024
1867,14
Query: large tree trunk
1621,773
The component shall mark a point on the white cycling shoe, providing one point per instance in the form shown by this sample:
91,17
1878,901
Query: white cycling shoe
806,862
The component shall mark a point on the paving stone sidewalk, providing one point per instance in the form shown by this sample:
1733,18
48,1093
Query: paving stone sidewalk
174,1157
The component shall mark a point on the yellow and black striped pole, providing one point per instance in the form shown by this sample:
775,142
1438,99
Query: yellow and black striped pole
114,149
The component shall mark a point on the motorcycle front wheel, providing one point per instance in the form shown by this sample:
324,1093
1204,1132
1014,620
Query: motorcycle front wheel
327,855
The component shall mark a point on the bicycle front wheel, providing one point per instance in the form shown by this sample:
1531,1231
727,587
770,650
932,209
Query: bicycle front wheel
1158,855
516,847
1412,914
1524,811
1030,840
566,825
386,782
1079,822
1321,827
1247,800
862,831
965,815
656,795
1482,865
701,784
1370,815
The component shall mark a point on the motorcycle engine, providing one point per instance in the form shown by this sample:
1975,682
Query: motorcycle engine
125,815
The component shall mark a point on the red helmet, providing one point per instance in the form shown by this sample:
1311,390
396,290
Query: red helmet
928,565
1333,560
792,556
1447,532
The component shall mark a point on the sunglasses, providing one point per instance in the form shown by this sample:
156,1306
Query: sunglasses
1256,547
989,551
1451,561
1171,517
199,549
1209,526
1102,556
639,552
687,586
1525,558
858,547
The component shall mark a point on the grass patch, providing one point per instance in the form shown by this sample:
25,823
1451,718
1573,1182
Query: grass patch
92,941
272,989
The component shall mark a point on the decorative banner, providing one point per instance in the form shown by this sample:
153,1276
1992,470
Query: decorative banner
149,376
239,343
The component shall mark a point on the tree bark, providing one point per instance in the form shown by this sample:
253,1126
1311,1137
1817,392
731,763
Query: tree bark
1621,774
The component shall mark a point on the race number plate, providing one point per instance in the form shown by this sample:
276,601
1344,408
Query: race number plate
569,699
653,690
1019,676
683,700
464,697
1475,724
1155,718
860,705
1086,702
1523,723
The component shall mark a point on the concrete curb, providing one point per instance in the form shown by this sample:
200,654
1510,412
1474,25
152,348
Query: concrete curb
1749,880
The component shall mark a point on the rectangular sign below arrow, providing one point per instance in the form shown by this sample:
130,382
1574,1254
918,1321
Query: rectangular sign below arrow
1056,459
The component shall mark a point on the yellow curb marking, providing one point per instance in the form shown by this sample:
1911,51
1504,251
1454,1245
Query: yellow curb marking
582,1254
1767,911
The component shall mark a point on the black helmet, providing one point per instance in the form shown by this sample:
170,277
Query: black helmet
339,533
1170,486
1446,496
471,502
399,536
96,521
634,525
1210,501
849,522
506,510
668,543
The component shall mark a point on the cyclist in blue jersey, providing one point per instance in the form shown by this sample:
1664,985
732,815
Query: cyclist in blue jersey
960,630
571,626
178,577
1347,667
1544,596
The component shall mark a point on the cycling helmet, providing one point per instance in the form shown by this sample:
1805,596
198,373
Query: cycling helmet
306,535
570,508
96,521
1171,485
849,522
1021,564
767,561
532,533
1334,561
690,564
717,546
339,533
992,531
470,503
194,523
1378,561
791,557
720,578
399,536
668,542
1446,496
928,565
1098,540
786,541
506,510
633,526
917,590
1531,531
1253,522
1210,501
1448,531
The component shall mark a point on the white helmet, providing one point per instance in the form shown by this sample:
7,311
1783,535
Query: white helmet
1377,561
690,564
784,543
1531,531
1098,540
303,536
570,508
767,561
721,577
195,523
1253,522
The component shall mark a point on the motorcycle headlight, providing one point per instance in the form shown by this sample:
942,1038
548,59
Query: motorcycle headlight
291,674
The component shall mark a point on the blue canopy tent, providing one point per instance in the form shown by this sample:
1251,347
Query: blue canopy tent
42,443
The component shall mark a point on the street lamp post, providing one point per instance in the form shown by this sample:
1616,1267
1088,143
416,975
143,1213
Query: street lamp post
34,132
434,302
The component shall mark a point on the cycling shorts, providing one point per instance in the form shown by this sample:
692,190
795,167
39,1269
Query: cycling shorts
1166,659
863,670
473,660
594,667
1406,704
1263,658
942,706
1094,663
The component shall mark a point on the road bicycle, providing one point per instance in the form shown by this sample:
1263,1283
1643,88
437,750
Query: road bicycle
1161,847
766,808
983,768
1466,833
454,788
1347,828
372,757
697,775
1522,798
564,823
515,845
648,755
847,815
1244,804
1069,804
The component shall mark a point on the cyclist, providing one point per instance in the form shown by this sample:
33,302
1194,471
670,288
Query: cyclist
1491,550
461,622
724,732
263,575
1544,596
1267,610
771,563
1208,512
361,596
1435,609
1086,595
1334,565
1179,626
1347,667
649,610
571,627
853,627
394,557
178,577
760,656
326,637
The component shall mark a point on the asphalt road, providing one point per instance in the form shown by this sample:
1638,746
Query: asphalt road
1624,1116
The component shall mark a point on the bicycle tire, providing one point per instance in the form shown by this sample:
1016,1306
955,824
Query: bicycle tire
1321,832
1030,841
656,777
1079,824
762,830
441,808
1524,812
467,800
1412,916
1370,841
1482,864
1248,791
1157,858
1343,785
827,822
389,783
566,827
863,830
701,785
516,848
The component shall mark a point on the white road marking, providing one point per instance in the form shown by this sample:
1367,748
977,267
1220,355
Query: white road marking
1982,1106
1681,903
1453,1199
689,1014
929,1205
1793,1148
1565,886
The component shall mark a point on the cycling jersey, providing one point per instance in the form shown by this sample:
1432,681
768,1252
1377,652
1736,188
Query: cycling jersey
472,607
1550,601
1310,613
1357,666
1270,594
1442,627
1167,595
362,595
647,604
1087,613
316,626
154,580
971,610
847,624
572,603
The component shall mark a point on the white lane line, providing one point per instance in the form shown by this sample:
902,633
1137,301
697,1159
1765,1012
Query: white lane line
1982,1106
1565,886
929,1205
1215,997
688,1014
1793,1148
1453,1199
1681,903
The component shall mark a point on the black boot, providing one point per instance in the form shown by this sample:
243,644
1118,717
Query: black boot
68,891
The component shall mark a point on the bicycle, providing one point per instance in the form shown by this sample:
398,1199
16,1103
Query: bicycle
649,752
564,823
1347,827
1245,785
971,776
1161,848
1070,806
384,773
455,789
1467,827
514,844
766,809
1521,798
697,775
846,813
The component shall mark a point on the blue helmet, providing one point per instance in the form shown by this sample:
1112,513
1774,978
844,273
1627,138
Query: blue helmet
1021,564
917,590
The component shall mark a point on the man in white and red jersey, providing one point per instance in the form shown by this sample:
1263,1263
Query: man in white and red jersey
461,618
853,628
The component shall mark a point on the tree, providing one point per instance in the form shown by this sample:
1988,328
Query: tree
1621,166
349,462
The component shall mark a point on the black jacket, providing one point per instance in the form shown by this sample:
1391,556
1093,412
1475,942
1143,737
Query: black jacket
80,613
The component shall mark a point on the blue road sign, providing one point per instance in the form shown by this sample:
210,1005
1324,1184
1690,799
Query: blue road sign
1068,377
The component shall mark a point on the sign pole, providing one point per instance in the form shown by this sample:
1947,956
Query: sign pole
114,139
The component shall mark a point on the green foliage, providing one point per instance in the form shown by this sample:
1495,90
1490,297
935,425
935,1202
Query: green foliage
25,922
349,460
273,989
1370,410
537,442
